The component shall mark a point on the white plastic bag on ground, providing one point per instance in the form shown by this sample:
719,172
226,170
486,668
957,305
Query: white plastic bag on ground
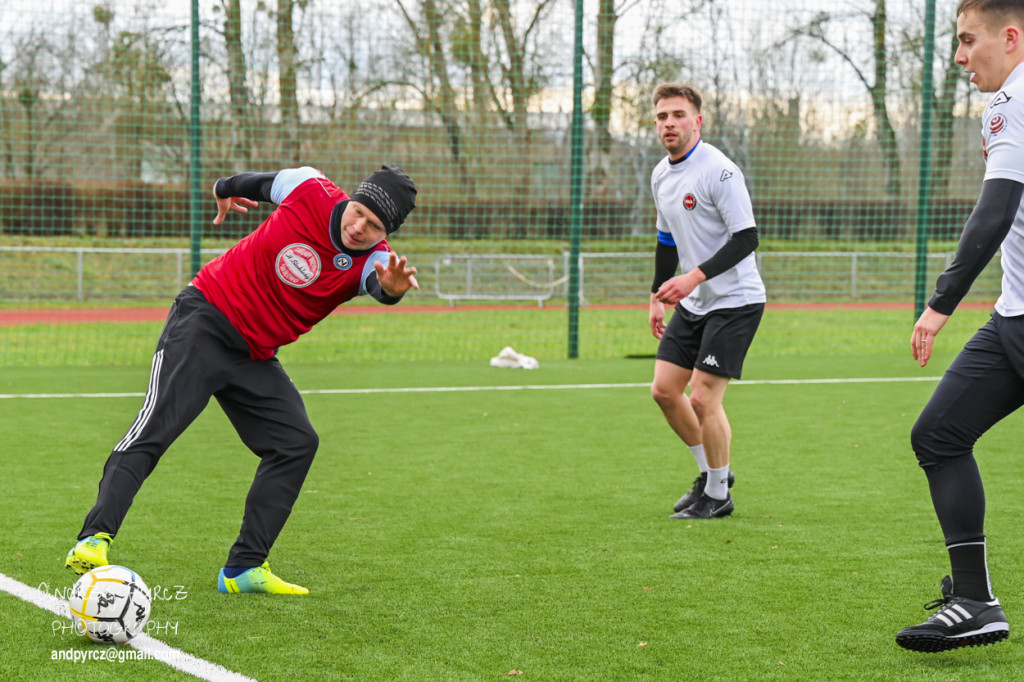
510,359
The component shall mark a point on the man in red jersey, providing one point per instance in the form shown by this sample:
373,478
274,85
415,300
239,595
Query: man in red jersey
316,250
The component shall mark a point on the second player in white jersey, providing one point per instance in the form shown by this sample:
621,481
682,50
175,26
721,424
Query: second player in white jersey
702,201
706,224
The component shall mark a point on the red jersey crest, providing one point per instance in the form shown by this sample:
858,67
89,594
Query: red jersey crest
298,265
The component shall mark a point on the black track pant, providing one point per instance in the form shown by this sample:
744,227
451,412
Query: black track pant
983,385
199,355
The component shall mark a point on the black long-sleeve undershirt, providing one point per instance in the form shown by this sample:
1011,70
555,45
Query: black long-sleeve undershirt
666,260
986,228
255,186
740,245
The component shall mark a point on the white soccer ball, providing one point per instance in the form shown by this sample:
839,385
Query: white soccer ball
110,604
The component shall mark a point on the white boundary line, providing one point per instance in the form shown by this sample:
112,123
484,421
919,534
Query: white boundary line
526,387
176,658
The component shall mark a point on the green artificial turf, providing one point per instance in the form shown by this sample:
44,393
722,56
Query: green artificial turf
464,535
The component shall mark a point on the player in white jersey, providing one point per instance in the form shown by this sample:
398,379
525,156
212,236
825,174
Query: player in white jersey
706,225
986,381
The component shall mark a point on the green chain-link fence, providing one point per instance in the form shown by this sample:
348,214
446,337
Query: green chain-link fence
108,148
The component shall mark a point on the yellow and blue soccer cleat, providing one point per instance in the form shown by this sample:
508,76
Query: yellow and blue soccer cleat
257,580
89,553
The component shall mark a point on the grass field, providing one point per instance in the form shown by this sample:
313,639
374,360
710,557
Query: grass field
464,535
476,334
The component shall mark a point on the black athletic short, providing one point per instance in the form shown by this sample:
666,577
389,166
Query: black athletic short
715,343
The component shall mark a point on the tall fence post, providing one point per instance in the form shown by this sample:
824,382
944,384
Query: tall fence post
195,161
925,162
576,186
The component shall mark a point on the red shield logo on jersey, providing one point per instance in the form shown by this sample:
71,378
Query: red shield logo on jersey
689,202
298,265
997,124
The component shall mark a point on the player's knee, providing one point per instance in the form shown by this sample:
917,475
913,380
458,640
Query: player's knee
922,440
703,403
663,396
934,444
307,444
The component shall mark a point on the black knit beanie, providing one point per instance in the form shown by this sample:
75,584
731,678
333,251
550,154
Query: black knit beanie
390,194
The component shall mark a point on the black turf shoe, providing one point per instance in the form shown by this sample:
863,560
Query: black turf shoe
958,622
706,508
696,491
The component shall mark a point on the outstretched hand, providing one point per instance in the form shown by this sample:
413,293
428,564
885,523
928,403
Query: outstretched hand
236,204
396,277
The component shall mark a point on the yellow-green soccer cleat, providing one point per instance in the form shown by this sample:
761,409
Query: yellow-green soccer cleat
89,553
257,580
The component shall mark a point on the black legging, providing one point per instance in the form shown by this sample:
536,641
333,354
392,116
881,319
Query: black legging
199,354
982,386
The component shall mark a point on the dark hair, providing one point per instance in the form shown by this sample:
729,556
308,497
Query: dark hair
1005,10
688,92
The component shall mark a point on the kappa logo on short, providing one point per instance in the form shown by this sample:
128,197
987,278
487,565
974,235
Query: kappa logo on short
710,361
298,265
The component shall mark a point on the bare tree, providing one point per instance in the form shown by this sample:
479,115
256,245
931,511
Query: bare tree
7,168
137,70
238,92
877,86
439,94
945,104
468,50
601,180
288,83
520,56
40,78
944,97
343,67
517,46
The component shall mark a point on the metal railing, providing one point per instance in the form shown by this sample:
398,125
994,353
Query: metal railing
179,275
495,277
95,273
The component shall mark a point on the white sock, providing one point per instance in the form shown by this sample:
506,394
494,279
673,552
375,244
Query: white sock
718,483
698,454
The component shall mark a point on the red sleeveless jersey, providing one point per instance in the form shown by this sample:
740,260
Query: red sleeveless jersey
286,276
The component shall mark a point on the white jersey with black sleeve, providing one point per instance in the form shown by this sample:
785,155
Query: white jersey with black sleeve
702,200
1002,134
